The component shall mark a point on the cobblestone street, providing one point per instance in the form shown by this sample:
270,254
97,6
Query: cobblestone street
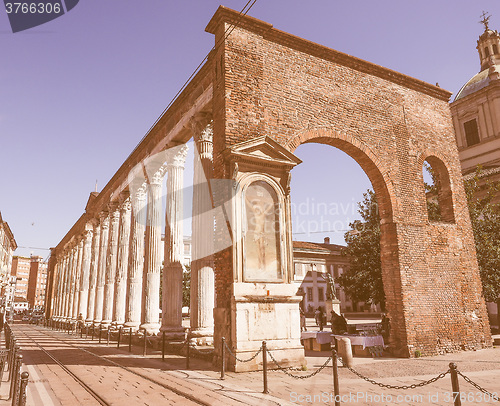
119,377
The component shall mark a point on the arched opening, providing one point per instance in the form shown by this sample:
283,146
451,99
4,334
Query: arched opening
438,191
339,178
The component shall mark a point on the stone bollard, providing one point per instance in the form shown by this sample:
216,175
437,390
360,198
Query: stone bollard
345,351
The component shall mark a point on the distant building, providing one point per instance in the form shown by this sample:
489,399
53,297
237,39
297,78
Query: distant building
476,118
476,110
37,282
310,261
21,270
7,247
31,280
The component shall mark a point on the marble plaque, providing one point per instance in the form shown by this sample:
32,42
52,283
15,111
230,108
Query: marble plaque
262,260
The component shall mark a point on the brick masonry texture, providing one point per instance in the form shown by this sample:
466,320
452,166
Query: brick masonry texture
267,82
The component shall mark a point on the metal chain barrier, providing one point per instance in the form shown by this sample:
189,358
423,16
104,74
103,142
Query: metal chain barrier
242,360
403,387
479,388
285,370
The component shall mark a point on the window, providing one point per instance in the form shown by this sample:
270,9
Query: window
309,294
321,295
486,52
495,49
471,132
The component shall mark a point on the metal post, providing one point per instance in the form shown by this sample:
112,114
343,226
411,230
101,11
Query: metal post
130,341
93,331
81,331
144,349
336,390
454,384
264,366
86,331
163,346
15,377
13,356
188,349
119,337
22,390
223,356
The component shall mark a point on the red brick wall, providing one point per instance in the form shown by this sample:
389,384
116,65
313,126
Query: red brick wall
269,83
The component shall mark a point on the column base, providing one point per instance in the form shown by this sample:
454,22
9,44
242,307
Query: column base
105,323
132,324
174,333
202,336
151,328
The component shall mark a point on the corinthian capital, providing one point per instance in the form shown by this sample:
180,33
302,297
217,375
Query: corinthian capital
176,156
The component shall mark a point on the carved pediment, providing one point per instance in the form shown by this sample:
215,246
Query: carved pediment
262,151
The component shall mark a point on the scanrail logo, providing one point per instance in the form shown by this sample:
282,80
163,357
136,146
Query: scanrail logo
26,14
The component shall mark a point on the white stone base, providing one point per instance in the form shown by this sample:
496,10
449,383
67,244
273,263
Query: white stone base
274,319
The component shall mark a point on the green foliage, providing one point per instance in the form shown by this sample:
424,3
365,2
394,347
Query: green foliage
186,286
431,192
485,219
363,280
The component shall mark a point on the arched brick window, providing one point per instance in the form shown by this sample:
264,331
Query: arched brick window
438,191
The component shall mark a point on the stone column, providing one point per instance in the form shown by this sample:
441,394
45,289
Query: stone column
122,260
136,256
152,257
202,271
85,271
101,270
60,285
77,279
109,287
94,265
68,301
174,246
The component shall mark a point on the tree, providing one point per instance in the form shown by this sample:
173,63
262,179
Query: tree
363,280
431,193
484,209
186,286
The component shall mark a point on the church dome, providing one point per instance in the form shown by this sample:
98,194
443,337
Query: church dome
477,82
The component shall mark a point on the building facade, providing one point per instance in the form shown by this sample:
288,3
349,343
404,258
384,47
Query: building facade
21,267
313,259
30,280
476,119
7,247
37,283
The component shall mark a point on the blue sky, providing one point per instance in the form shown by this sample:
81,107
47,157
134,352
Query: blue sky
79,93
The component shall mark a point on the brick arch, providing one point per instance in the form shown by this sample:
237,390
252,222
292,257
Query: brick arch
376,171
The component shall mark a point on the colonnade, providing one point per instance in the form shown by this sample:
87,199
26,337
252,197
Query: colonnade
109,274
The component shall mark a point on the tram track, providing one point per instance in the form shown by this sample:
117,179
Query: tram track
188,397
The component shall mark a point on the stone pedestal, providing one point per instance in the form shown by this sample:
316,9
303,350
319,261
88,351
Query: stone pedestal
332,305
274,318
